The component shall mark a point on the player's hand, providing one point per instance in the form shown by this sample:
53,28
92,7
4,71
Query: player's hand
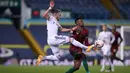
74,28
52,3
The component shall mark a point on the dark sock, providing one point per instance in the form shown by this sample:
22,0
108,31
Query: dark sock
85,64
109,68
71,70
118,59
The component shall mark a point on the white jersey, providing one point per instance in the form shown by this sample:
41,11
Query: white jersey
107,37
52,27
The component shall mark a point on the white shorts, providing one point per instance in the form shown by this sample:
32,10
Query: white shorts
54,43
106,50
55,51
58,40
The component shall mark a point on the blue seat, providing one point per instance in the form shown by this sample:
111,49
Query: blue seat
92,9
123,6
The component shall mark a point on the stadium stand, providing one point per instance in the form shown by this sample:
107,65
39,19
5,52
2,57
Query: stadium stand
123,6
90,9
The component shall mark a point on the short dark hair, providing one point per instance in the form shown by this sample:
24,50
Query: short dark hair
78,19
103,25
55,10
114,25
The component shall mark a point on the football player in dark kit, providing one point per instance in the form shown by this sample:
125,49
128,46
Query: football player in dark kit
115,45
80,34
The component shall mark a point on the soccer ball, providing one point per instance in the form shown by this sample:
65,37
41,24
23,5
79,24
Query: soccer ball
99,43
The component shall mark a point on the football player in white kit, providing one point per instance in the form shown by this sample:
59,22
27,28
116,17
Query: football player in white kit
53,39
108,39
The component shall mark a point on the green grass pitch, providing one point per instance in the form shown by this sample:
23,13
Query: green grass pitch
56,69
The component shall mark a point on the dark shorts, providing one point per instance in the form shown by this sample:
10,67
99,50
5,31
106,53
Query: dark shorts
78,55
114,49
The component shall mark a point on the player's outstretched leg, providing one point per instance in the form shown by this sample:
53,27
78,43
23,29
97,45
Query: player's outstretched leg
90,48
78,44
118,59
55,51
49,57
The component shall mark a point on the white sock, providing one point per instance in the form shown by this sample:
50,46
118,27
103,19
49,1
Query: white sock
103,64
78,44
51,57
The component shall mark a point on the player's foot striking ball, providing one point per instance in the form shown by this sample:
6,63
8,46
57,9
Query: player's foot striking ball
53,39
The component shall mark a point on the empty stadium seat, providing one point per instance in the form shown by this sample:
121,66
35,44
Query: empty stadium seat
89,9
123,6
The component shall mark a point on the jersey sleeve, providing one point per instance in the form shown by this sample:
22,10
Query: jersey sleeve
99,36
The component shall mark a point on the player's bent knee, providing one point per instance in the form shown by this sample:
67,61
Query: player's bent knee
71,39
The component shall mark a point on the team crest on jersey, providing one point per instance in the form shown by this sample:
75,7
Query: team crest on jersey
53,22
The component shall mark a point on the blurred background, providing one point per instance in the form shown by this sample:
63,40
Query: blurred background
23,33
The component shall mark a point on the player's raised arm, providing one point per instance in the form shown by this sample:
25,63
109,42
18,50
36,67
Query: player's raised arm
45,14
65,29
68,29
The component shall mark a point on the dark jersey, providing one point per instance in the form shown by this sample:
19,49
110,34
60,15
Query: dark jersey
114,47
80,35
117,35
